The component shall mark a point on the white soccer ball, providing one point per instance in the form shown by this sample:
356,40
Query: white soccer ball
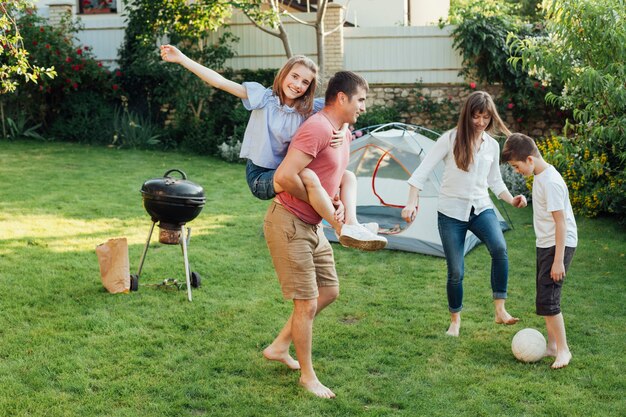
528,345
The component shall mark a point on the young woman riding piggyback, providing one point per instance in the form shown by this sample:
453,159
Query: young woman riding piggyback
276,113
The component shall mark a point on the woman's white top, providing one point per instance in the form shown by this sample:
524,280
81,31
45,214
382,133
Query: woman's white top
462,190
271,126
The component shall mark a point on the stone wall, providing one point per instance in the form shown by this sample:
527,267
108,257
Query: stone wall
389,95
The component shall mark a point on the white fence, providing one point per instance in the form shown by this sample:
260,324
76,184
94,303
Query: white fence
102,32
405,54
257,49
383,55
105,34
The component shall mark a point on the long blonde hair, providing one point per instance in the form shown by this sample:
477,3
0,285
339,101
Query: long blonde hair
304,103
477,102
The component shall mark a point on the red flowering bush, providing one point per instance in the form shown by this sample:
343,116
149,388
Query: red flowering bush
77,71
481,38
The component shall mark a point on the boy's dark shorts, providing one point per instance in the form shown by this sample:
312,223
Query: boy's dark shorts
548,301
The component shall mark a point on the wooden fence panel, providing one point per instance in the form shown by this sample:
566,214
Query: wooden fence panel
257,49
105,35
383,55
405,54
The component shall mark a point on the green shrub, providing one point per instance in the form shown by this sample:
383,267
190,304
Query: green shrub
168,94
482,40
79,76
134,131
20,128
439,114
515,182
377,115
520,10
14,60
596,184
83,117
229,150
584,52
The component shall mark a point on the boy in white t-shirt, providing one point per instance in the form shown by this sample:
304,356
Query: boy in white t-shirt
555,228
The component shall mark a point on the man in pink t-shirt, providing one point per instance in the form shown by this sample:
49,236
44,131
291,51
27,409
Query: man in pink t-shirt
302,256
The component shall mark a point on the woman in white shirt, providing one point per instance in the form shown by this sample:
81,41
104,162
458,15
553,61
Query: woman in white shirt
471,158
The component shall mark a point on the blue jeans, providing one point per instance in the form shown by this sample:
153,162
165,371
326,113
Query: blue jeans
260,180
486,227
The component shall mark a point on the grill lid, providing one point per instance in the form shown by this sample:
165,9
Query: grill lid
180,191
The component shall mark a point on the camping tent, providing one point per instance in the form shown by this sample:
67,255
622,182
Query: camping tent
383,160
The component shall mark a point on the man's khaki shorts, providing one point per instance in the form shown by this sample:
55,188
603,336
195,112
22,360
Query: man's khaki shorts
302,256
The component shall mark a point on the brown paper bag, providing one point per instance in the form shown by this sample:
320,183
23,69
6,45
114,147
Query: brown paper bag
114,265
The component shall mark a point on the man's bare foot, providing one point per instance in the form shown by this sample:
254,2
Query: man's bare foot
453,330
270,354
505,318
562,360
316,388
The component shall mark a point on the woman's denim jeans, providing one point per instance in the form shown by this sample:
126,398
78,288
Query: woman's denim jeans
487,228
260,180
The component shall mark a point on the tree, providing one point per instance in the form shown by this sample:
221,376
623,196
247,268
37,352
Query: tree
150,22
269,21
584,52
167,93
14,63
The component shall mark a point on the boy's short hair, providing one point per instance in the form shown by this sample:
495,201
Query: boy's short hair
518,147
346,82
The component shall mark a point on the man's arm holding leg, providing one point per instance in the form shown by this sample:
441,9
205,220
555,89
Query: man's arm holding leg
287,173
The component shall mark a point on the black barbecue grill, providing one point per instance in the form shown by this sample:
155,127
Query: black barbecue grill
171,202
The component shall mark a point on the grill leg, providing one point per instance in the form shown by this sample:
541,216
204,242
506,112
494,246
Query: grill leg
145,250
183,242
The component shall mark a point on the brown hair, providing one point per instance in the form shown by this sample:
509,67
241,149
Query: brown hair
346,82
477,102
518,147
304,103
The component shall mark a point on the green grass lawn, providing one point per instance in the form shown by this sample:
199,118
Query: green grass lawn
69,348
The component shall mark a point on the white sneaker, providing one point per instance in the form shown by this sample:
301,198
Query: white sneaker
372,227
359,237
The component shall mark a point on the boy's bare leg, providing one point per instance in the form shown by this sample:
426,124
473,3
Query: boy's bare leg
551,347
279,349
502,316
455,324
304,312
557,337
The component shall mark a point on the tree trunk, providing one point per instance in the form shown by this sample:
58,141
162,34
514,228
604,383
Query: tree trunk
4,129
284,38
319,37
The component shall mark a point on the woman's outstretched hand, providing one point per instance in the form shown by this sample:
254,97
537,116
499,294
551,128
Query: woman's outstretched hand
171,53
519,201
